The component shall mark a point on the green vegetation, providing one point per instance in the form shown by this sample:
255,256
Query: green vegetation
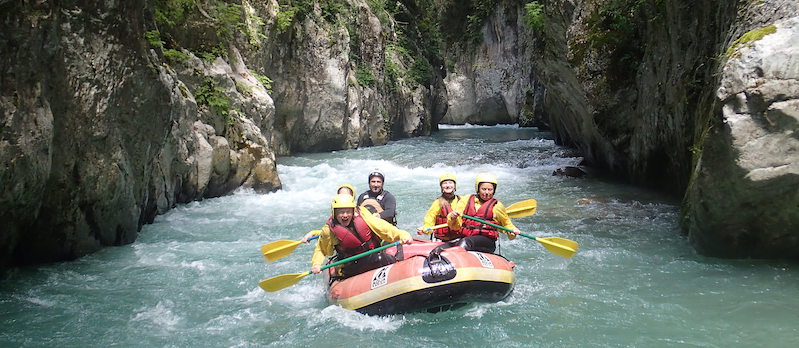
210,95
378,7
228,18
153,37
365,77
172,12
615,27
534,15
264,80
298,10
462,21
245,89
285,17
224,18
748,38
174,55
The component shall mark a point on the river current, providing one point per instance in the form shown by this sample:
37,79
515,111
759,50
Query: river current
191,278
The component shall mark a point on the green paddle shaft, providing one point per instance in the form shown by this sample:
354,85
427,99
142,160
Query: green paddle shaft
334,264
495,225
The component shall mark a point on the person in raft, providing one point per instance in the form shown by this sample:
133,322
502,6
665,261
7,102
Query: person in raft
350,231
346,189
482,205
380,202
441,207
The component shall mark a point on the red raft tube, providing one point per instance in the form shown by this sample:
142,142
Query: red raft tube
420,282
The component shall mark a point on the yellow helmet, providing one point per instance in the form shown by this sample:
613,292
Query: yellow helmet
342,200
445,177
352,189
484,177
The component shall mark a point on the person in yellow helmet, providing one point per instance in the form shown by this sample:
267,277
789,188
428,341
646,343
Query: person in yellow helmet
345,189
482,205
350,231
440,208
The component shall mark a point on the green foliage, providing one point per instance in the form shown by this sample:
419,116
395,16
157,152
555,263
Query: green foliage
172,12
153,37
462,21
534,15
615,27
615,23
175,55
748,38
298,10
332,10
210,95
264,80
253,24
209,54
378,7
285,17
421,71
228,19
365,77
245,89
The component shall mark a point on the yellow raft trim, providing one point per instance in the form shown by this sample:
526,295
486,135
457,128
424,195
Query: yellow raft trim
417,283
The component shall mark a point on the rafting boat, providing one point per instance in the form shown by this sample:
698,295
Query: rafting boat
420,282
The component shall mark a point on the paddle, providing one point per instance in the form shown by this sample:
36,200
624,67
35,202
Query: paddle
522,209
558,246
432,227
285,280
281,248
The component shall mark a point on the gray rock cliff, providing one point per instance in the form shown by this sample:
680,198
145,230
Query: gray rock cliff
648,91
100,133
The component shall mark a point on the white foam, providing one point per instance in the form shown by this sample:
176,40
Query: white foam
468,125
160,315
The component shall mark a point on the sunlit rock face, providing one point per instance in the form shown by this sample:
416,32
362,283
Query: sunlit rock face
744,200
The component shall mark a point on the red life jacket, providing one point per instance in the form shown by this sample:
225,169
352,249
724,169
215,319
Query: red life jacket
486,212
445,233
353,242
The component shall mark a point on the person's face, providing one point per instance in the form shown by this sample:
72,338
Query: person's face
346,190
344,215
375,184
447,186
485,191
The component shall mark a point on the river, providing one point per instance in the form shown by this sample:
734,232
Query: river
191,277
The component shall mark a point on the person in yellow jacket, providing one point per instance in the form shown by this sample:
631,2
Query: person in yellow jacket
440,208
349,232
343,189
479,236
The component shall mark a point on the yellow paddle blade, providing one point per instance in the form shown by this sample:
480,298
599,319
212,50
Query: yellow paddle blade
278,249
559,246
522,209
432,227
282,281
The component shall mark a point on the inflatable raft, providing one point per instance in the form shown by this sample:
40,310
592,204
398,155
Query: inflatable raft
420,282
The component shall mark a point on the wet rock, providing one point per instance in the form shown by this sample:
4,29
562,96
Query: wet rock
570,171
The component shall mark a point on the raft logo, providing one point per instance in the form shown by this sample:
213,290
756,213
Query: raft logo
380,276
484,260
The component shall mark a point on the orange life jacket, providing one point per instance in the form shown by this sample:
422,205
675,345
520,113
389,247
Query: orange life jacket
486,212
353,242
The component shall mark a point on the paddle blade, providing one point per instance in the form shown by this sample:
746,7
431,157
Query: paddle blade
278,249
282,281
522,209
559,246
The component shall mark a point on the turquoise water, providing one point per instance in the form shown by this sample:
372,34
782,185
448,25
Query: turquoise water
191,277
